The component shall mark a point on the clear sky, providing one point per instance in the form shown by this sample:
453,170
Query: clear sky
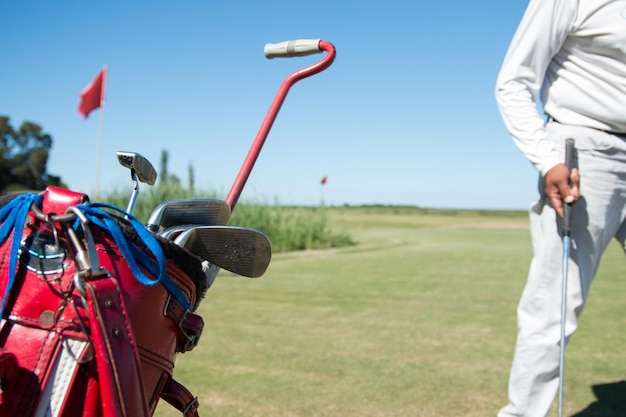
405,115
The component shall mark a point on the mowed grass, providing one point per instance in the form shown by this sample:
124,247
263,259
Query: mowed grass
416,319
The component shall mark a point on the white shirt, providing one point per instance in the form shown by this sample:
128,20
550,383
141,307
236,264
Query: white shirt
572,55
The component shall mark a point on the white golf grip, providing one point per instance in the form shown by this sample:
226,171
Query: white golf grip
288,49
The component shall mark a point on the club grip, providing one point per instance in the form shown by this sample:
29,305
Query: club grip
569,153
288,49
567,208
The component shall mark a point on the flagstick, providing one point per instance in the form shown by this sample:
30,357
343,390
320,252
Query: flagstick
100,131
98,153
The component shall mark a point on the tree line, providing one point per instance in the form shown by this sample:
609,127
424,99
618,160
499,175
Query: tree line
24,154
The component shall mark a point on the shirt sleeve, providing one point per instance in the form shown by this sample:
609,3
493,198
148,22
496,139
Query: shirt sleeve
538,38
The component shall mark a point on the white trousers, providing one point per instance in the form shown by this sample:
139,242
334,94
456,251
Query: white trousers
597,218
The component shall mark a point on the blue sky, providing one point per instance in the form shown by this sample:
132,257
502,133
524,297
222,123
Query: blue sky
405,115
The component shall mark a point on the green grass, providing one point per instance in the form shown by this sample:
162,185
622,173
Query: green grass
416,319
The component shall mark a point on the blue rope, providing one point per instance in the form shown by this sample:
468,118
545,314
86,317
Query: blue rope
132,253
13,217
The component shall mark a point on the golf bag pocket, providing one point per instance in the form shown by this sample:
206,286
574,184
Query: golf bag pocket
94,310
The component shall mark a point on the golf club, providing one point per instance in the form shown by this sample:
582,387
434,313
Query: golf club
240,250
198,211
140,170
567,232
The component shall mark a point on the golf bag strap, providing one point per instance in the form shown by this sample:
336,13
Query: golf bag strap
8,368
189,324
180,398
116,352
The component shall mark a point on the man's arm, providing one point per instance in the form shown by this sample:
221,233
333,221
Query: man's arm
538,38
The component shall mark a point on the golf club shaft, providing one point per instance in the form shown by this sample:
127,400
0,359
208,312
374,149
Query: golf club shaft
133,196
567,232
566,246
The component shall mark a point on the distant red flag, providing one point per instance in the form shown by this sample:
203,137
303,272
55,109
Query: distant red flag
324,180
92,97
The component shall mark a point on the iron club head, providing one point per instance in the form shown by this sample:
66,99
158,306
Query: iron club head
198,211
172,232
240,250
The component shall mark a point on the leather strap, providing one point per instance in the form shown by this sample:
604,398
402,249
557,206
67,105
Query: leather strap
8,365
8,372
189,324
180,398
117,359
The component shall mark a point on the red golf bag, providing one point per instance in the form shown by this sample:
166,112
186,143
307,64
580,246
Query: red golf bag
94,309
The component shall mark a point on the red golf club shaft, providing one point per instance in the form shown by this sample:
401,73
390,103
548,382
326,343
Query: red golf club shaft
259,140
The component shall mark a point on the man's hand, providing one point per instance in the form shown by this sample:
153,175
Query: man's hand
556,184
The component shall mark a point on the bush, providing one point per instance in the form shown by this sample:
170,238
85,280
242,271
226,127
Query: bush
288,228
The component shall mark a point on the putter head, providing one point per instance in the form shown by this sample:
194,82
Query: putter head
197,211
138,165
240,250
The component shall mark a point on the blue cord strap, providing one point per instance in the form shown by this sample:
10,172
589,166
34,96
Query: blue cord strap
12,218
134,255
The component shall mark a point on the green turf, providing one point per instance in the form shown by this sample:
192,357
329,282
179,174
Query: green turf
417,319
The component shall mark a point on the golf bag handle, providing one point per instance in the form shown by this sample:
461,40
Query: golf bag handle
283,49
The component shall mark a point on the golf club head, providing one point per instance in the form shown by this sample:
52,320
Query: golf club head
138,165
197,211
240,250
172,232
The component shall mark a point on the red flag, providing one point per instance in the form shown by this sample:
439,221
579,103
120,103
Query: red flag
324,180
92,97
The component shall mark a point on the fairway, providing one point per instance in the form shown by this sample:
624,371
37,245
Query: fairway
417,319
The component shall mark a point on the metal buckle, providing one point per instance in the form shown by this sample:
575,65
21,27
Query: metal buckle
191,405
87,260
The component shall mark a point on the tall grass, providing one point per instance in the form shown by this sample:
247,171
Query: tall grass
288,228
291,228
